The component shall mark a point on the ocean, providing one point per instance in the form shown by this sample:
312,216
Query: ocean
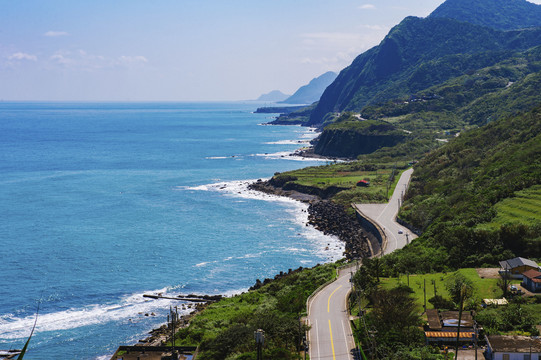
101,203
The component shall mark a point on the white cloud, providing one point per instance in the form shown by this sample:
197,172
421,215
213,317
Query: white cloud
62,58
82,60
367,7
22,56
55,33
374,27
132,59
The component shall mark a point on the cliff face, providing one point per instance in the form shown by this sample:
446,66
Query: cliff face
352,138
350,144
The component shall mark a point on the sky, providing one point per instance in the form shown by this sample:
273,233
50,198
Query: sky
184,50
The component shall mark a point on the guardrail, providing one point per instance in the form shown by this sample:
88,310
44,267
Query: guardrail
381,233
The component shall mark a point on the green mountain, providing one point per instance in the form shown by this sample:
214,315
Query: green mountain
476,98
415,55
431,116
497,14
312,91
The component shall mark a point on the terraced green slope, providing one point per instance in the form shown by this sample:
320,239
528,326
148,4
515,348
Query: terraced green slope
524,207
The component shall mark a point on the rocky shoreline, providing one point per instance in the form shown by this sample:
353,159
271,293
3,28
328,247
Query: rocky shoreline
327,217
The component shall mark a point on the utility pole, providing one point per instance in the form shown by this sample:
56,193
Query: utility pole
425,292
475,337
259,340
462,293
505,279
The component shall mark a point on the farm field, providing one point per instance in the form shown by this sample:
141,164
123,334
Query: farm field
524,207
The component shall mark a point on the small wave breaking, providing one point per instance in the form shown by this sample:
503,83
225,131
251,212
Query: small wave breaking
327,247
128,308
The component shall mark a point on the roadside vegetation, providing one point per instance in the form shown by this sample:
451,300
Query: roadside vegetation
392,309
225,329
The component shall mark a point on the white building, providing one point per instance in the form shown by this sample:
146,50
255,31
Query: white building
500,347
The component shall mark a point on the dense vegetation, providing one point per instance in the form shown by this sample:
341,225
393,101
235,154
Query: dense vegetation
502,14
349,137
423,120
225,330
391,308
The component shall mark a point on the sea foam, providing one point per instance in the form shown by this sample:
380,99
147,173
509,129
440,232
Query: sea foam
328,247
130,308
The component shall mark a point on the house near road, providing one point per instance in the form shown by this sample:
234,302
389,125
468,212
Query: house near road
517,266
442,327
501,347
531,280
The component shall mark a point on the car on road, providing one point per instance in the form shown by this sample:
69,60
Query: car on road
400,232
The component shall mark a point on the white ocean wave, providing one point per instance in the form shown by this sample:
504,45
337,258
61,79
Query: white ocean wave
288,142
104,357
285,155
327,247
130,307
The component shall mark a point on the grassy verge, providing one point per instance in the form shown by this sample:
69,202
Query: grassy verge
225,329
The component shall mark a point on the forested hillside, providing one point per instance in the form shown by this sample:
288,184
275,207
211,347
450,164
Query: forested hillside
454,193
497,14
415,55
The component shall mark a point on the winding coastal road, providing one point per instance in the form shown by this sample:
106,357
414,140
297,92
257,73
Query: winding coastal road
330,336
384,215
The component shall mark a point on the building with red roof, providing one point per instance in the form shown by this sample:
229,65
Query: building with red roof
531,280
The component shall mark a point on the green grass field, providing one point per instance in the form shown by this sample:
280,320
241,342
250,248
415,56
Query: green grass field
484,288
525,208
342,175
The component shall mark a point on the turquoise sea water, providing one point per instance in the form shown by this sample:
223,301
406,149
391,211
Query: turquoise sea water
101,203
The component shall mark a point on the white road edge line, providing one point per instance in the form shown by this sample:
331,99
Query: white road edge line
317,337
348,350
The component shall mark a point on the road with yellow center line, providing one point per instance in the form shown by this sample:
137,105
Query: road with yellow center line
330,336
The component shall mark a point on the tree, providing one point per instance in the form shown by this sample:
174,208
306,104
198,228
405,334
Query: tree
366,278
460,288
503,283
395,316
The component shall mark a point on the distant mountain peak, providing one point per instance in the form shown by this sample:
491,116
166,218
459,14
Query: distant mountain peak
496,14
273,96
312,91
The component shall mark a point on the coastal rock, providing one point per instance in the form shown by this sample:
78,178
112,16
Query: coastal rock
326,216
332,219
